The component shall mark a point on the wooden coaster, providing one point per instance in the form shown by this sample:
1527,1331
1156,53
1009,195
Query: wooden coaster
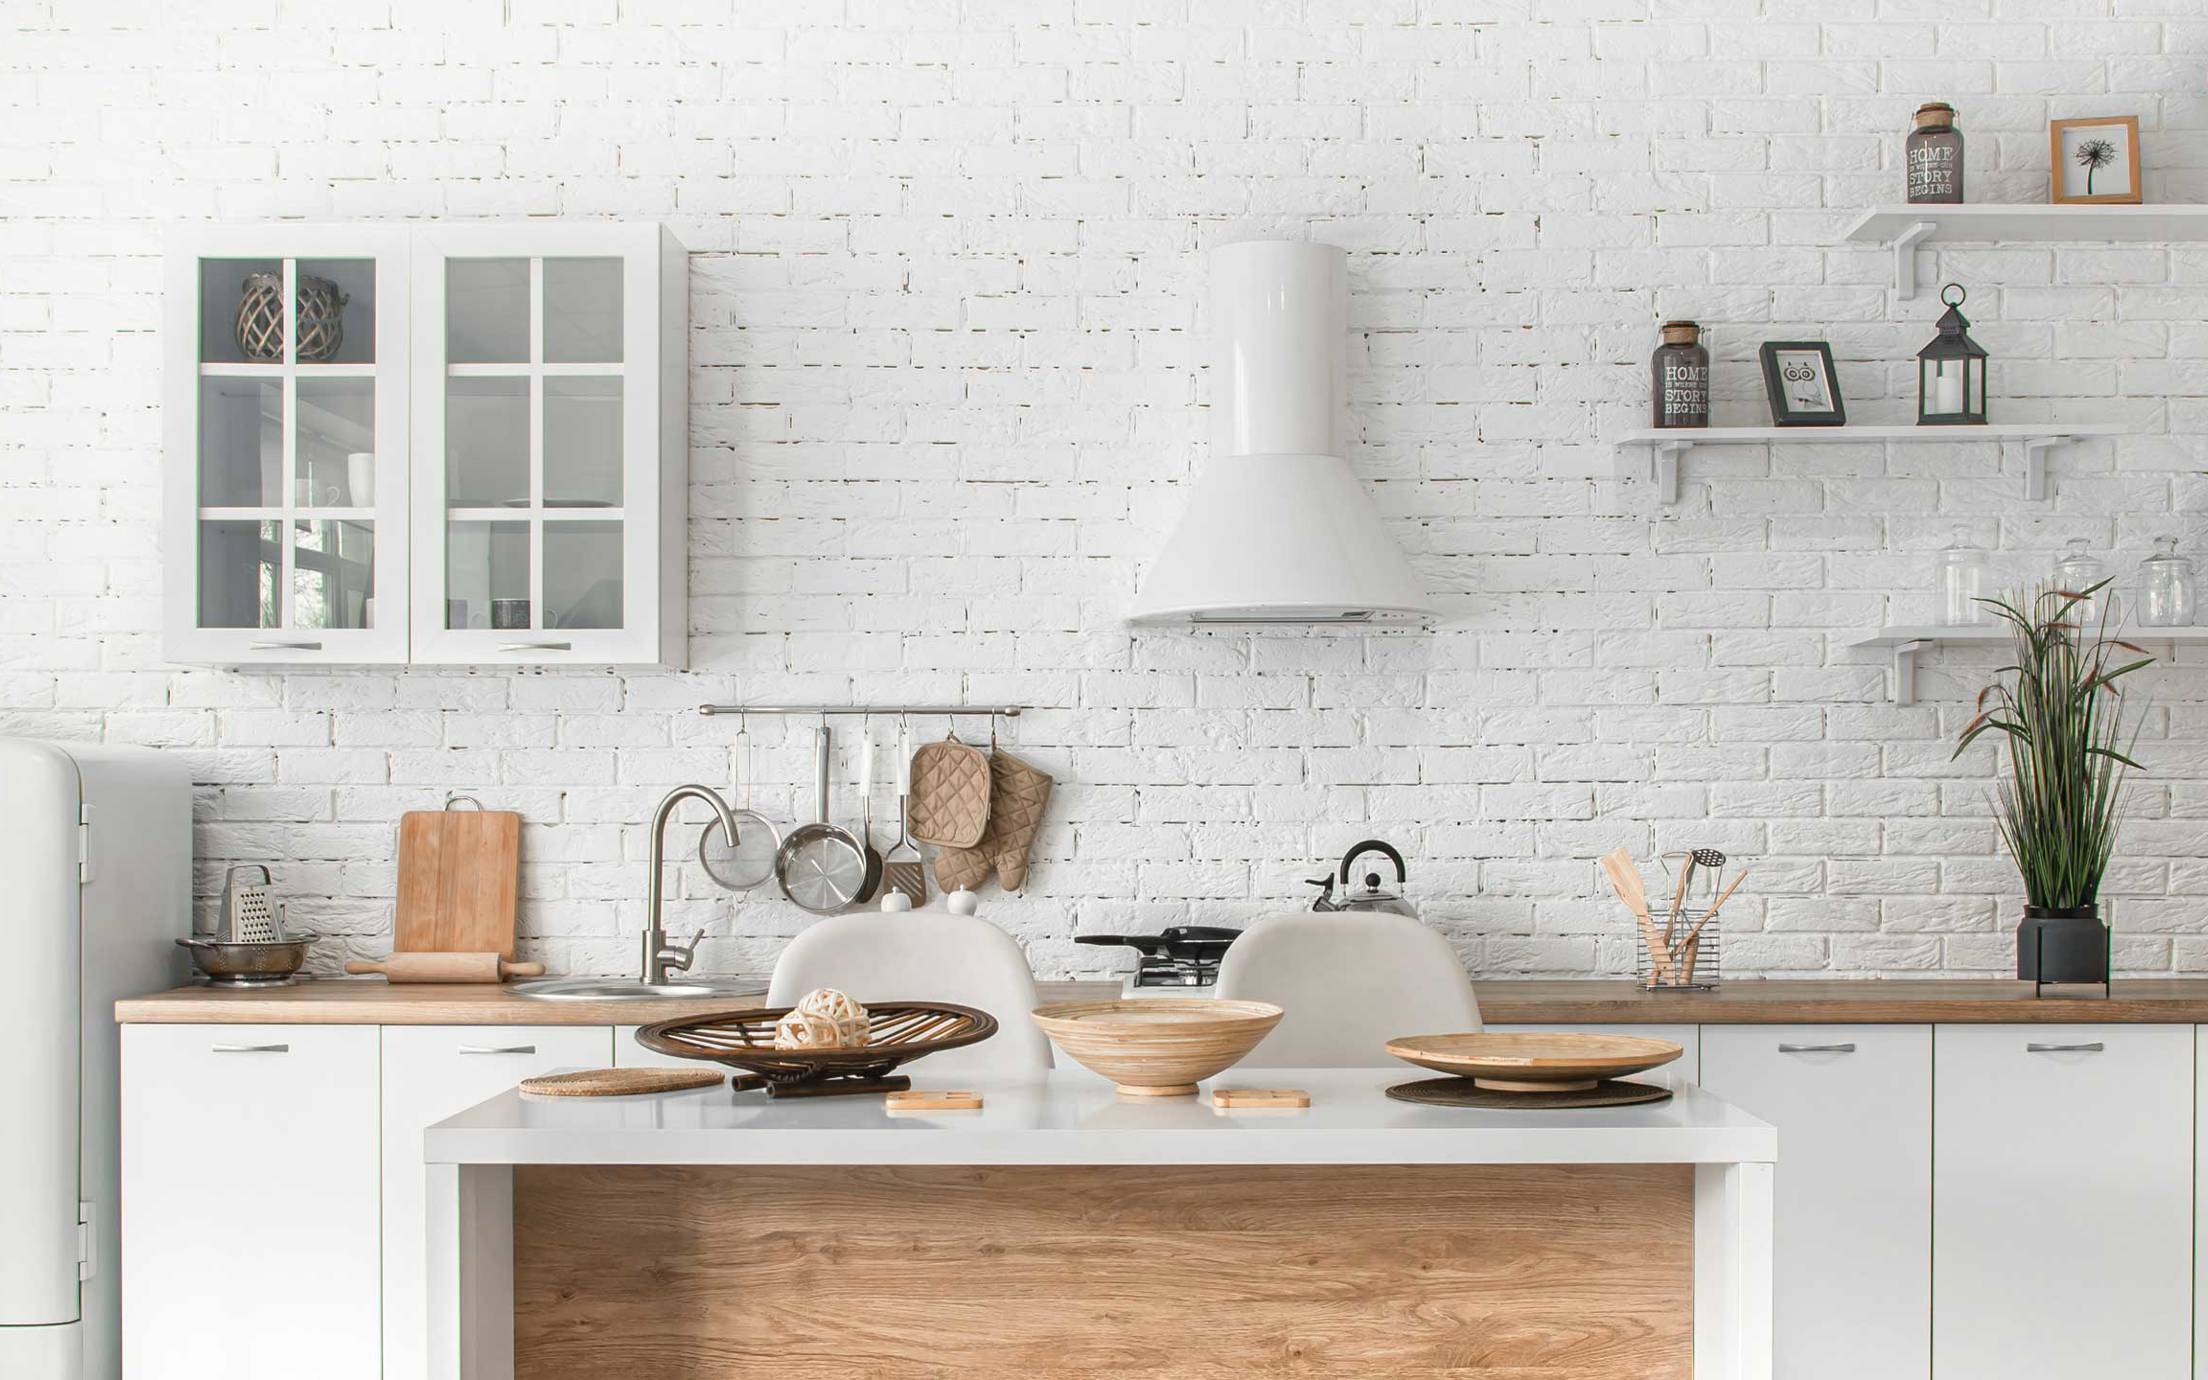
933,1101
1462,1092
1228,1099
618,1082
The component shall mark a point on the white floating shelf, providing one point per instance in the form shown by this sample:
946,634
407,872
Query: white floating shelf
1906,642
1665,444
1905,227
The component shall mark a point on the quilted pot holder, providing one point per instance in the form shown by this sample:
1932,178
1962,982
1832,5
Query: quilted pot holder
950,794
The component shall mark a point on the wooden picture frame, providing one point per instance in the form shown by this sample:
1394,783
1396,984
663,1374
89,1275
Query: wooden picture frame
1801,384
2068,142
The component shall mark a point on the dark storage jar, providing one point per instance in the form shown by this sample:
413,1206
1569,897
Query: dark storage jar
1935,157
1680,373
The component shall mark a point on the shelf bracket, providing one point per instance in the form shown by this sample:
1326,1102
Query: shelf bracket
2035,464
1905,669
1905,257
1663,468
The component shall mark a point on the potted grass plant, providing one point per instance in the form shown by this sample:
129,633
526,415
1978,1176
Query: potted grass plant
2062,717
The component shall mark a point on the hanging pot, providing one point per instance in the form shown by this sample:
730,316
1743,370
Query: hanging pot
2062,944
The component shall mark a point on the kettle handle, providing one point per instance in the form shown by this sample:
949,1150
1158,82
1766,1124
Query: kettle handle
1386,850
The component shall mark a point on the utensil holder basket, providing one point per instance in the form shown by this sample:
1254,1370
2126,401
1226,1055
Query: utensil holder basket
1697,965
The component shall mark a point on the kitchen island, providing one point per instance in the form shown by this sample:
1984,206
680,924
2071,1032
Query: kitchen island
1063,1230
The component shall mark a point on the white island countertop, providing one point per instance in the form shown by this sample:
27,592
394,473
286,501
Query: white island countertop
1073,1117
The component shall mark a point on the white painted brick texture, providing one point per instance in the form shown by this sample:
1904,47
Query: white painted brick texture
944,398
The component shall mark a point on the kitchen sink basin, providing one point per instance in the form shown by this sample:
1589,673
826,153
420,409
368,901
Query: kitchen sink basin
628,989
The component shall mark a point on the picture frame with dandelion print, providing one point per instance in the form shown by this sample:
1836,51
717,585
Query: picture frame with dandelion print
2094,162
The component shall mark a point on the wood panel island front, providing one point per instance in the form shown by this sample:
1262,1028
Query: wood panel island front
1064,1230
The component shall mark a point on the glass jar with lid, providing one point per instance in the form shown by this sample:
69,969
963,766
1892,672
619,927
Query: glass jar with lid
2077,569
2166,587
1960,581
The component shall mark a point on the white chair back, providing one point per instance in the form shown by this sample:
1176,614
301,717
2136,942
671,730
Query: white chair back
1349,982
924,956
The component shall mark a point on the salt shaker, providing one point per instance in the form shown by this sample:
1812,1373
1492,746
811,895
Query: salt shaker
1961,582
2076,570
2166,587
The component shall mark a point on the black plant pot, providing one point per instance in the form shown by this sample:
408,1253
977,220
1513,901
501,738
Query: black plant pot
2062,944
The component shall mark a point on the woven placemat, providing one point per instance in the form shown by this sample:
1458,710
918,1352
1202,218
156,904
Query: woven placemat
619,1082
1463,1092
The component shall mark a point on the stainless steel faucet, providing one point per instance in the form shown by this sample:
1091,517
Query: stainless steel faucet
660,957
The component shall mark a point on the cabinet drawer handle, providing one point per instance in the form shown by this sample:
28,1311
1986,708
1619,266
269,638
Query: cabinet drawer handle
1848,1048
2035,1047
498,1049
536,646
284,646
252,1049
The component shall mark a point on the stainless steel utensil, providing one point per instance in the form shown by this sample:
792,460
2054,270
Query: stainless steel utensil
821,866
907,875
248,915
247,964
872,882
744,862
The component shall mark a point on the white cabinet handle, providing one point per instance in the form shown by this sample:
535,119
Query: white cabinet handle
498,1049
536,646
1848,1048
252,1049
284,646
2035,1047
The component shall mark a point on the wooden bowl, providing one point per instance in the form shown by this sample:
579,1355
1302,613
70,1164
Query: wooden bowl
1158,1046
897,1032
1530,1061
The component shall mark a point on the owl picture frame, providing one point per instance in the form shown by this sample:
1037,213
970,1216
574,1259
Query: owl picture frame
1801,384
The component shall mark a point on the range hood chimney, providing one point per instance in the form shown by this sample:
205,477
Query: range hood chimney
1278,530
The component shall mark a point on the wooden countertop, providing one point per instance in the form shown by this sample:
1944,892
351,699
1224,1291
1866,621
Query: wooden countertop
1594,1001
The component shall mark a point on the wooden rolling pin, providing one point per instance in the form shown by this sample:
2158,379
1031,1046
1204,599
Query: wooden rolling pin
428,967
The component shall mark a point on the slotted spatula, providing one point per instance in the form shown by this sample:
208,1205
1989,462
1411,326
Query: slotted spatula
903,869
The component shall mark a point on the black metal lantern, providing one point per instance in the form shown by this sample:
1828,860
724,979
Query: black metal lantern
1951,371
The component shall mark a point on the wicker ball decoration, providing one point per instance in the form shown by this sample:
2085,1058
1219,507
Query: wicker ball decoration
261,318
822,1019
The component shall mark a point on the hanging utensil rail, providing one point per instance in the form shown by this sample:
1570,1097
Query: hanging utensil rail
1000,711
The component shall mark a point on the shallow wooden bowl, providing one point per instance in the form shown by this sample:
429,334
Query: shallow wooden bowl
1530,1061
1158,1046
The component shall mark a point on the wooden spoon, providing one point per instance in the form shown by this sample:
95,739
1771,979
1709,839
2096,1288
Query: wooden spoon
1691,946
1625,879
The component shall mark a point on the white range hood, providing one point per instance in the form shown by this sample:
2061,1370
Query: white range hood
1278,530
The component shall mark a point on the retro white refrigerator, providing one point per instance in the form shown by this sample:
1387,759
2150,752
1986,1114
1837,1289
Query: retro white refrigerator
95,887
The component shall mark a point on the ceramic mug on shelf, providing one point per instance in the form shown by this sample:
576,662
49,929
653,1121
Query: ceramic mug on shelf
509,613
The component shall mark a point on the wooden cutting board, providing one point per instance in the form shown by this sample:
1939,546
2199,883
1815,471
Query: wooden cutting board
459,871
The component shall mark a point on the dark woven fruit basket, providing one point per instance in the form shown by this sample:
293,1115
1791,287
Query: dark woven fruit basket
897,1031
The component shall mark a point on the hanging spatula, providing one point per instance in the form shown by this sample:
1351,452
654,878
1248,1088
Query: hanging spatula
903,869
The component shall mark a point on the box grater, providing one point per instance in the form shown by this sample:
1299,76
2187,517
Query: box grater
248,916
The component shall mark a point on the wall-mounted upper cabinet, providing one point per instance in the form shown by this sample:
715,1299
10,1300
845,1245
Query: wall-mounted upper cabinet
445,444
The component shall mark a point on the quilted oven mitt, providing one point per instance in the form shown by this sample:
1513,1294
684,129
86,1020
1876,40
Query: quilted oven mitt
1018,791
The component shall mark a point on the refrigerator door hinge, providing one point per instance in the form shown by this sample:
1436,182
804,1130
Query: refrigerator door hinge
88,1239
84,843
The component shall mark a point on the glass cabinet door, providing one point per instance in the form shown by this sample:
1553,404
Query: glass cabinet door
287,446
538,441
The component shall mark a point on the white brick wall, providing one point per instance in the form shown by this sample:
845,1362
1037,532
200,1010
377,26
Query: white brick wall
943,310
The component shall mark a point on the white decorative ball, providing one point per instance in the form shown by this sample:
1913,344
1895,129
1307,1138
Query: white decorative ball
896,901
822,1019
962,902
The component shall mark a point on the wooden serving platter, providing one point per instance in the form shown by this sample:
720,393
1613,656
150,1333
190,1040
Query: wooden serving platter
1532,1061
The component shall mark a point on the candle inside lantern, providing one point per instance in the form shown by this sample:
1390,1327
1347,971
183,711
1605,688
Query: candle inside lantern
1947,386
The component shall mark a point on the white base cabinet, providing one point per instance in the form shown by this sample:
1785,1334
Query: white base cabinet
1852,1214
250,1206
2062,1193
431,1072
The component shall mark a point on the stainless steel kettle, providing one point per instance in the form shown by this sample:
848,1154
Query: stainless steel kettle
1366,893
